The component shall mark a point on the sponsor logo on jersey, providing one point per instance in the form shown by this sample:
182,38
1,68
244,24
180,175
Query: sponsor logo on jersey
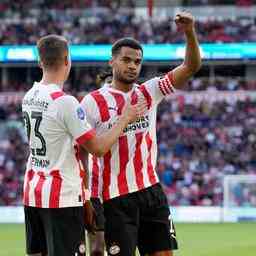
80,113
113,108
114,249
141,123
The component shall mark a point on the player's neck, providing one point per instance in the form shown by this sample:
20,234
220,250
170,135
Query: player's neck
51,78
120,86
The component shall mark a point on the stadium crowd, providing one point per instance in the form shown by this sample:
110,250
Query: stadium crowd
13,154
244,3
22,22
86,81
199,142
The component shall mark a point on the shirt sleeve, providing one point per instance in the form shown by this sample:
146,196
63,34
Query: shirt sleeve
159,87
88,106
75,120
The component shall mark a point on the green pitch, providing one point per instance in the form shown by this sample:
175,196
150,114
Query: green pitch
194,239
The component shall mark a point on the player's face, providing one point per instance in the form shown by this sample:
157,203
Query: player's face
127,65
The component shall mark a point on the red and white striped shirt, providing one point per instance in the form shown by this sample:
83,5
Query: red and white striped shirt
130,164
55,123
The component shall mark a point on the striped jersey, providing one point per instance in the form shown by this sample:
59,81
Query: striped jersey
55,125
130,164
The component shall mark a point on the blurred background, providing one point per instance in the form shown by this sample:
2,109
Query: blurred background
206,133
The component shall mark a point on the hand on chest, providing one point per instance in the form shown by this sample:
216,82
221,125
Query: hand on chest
114,106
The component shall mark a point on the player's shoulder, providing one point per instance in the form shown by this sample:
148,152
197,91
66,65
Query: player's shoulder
94,95
150,81
103,90
66,99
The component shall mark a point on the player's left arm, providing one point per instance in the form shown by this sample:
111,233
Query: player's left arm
157,88
180,75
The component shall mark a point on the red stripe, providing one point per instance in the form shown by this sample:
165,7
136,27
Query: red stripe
56,95
120,102
134,98
86,136
54,200
169,84
150,170
78,159
102,105
81,170
137,161
162,87
82,176
146,94
95,178
171,78
106,176
123,160
38,189
166,85
30,175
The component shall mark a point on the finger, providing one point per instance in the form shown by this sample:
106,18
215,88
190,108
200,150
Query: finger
183,20
141,110
141,102
143,106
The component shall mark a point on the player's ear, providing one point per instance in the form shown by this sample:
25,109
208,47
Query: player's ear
110,62
66,60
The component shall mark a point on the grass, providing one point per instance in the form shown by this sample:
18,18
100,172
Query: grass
194,239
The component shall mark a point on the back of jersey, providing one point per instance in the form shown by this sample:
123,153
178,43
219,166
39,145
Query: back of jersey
53,175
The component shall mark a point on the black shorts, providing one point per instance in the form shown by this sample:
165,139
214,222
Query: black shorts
55,231
100,219
141,219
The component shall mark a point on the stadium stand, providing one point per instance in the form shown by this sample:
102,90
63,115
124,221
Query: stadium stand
80,22
200,140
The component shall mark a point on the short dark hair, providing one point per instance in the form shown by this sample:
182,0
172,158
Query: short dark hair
104,74
125,42
52,49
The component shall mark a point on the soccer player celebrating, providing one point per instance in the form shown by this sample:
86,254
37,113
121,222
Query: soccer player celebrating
54,194
135,207
96,239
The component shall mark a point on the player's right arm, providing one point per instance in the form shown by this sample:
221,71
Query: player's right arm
101,144
74,118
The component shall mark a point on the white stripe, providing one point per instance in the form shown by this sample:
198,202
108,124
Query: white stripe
114,170
33,184
130,174
144,156
46,190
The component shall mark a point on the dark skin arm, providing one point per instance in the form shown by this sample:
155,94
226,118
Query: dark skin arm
99,145
192,62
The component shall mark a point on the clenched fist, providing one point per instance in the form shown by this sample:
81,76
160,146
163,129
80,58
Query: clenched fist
185,22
